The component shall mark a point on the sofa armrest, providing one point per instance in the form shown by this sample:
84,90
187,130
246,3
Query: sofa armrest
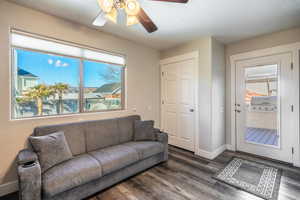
163,138
29,174
26,156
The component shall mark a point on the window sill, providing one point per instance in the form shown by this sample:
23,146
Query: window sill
77,115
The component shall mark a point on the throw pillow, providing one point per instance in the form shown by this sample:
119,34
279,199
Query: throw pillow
52,149
144,130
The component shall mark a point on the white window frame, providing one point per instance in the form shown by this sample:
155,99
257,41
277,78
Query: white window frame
86,54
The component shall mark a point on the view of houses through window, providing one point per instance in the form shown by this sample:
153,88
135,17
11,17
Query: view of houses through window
262,102
46,84
109,78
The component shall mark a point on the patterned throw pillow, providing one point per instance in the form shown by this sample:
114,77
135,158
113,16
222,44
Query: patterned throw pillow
52,149
144,130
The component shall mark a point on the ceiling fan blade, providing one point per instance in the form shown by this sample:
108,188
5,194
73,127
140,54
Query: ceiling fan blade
100,20
145,20
173,1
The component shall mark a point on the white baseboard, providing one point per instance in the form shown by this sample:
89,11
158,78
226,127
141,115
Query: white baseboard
218,151
204,154
8,188
296,163
211,155
230,147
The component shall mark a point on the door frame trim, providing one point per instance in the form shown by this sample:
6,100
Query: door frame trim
183,57
294,49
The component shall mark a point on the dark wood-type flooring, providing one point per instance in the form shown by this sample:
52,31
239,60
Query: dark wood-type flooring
188,177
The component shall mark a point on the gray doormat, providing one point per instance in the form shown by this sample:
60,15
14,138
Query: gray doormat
255,178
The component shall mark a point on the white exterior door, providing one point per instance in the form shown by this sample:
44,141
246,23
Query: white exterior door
264,106
178,102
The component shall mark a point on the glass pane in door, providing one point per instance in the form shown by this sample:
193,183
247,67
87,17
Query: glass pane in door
262,103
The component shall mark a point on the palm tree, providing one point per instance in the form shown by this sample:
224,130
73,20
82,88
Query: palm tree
38,93
60,89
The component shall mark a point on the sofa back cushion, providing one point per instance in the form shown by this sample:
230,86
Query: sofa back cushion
74,134
109,132
100,134
88,136
126,126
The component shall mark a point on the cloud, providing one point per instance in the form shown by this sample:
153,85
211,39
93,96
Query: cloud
50,61
59,63
65,65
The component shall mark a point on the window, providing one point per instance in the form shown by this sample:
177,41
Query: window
102,86
52,78
45,84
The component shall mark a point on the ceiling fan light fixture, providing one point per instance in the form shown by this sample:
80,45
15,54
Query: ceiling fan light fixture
132,7
132,20
100,20
106,5
112,15
135,13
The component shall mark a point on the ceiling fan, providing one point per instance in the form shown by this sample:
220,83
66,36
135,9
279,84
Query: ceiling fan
135,14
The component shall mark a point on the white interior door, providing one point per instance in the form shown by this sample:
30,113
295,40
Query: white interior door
178,102
264,106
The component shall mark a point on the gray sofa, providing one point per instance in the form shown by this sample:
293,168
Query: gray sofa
104,154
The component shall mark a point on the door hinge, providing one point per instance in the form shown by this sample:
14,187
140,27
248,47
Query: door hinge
162,73
292,66
162,102
292,108
292,150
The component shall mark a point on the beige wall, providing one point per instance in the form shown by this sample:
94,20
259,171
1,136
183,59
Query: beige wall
218,95
203,46
142,77
260,42
211,89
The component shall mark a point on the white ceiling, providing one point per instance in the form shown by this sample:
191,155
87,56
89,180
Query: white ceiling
226,20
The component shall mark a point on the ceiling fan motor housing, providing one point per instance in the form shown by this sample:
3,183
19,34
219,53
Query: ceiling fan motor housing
133,10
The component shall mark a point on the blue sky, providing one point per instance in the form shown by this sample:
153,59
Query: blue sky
94,73
53,69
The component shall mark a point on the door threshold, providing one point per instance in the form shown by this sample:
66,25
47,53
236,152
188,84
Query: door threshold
265,158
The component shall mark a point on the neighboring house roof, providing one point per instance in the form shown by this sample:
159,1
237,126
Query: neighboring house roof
110,88
90,89
93,96
22,72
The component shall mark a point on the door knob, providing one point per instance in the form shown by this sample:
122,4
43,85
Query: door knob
192,110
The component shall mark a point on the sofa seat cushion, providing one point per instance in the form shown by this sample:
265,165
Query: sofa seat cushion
146,149
69,174
115,157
